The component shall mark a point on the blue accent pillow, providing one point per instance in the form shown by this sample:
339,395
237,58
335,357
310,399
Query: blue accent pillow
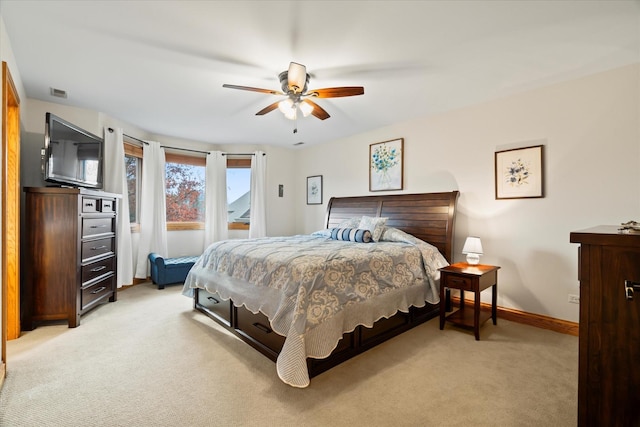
351,235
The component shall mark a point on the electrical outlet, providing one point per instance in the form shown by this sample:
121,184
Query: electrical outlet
574,298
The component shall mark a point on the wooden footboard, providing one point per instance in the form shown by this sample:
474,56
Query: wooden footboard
254,329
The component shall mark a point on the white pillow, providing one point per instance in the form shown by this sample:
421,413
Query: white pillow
374,224
350,223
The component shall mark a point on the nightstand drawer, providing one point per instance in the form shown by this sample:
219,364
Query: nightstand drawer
458,282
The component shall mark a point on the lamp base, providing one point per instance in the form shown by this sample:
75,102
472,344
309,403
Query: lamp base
473,259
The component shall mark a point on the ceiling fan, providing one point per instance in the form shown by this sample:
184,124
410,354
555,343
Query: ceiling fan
294,83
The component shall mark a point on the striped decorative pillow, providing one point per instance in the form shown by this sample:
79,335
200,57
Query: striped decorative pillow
351,234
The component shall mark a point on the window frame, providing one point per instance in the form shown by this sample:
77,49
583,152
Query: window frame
238,163
171,157
135,150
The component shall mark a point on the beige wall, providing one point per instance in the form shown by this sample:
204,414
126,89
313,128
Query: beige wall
590,131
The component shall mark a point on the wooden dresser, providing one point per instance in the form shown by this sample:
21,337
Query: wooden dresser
609,361
69,263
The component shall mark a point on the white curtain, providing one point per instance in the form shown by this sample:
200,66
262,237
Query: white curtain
216,215
153,217
115,181
258,220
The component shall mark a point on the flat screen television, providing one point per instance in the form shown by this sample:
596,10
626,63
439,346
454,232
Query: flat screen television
72,156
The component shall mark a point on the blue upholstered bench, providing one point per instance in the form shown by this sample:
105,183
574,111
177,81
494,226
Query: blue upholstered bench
170,270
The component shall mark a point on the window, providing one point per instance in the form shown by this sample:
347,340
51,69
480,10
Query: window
185,182
238,193
133,166
185,185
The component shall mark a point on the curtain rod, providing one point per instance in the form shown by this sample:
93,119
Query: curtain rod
206,152
186,149
129,136
183,149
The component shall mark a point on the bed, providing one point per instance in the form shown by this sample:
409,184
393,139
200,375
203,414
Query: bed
310,302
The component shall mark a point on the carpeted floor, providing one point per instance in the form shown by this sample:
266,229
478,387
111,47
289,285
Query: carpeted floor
150,360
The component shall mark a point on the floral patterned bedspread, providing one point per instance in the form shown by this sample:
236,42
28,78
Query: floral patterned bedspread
313,289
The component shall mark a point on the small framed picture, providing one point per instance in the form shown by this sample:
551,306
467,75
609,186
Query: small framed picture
519,173
385,165
314,190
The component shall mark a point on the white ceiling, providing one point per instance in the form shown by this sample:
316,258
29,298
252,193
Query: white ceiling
160,65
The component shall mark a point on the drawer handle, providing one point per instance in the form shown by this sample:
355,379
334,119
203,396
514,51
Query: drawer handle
95,270
263,328
97,248
99,226
90,205
215,301
629,288
100,289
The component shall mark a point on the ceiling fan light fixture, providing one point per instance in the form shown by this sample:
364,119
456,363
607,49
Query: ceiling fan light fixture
285,105
297,77
292,114
306,108
288,108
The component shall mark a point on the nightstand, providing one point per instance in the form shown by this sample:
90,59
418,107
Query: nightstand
473,278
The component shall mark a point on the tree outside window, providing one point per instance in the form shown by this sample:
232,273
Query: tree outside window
133,171
185,192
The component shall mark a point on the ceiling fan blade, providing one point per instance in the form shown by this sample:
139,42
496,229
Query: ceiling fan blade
336,92
318,111
254,89
297,77
269,108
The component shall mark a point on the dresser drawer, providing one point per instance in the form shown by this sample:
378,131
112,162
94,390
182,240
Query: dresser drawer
107,205
97,291
214,305
95,226
257,327
90,205
98,247
97,269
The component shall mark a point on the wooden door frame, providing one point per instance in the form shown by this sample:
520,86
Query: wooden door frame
10,214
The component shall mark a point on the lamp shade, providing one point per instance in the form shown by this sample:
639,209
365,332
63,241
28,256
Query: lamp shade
473,249
306,108
288,108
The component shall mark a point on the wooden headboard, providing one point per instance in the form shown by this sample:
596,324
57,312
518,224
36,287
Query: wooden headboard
428,216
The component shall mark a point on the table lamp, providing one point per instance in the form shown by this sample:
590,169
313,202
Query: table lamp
473,249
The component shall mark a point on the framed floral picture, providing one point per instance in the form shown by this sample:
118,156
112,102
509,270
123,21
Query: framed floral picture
519,173
386,166
314,190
